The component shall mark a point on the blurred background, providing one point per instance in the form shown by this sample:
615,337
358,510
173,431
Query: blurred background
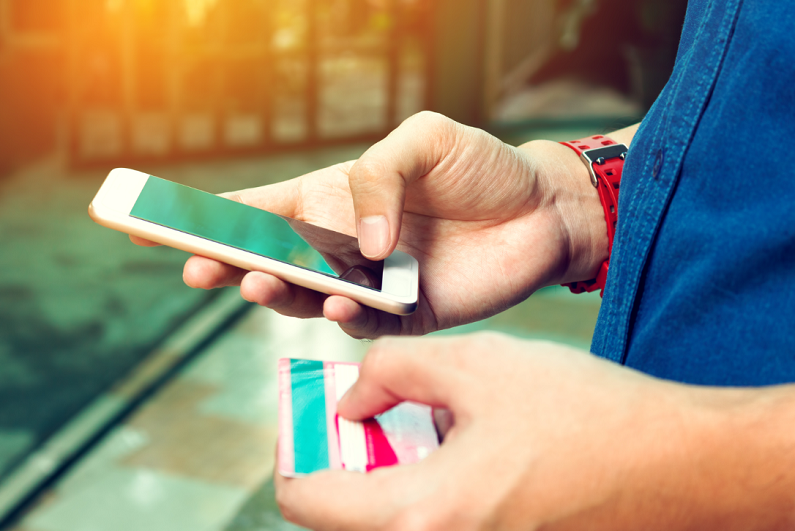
129,401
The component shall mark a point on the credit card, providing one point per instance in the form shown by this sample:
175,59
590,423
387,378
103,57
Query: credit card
313,437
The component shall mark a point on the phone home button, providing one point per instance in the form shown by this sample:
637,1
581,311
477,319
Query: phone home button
398,285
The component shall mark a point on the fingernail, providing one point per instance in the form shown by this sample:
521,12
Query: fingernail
373,235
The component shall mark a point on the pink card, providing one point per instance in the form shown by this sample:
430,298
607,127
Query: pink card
313,437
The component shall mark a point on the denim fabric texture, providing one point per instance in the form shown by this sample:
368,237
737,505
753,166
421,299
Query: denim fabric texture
701,287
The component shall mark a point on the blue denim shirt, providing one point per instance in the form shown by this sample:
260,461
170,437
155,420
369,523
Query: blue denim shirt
701,286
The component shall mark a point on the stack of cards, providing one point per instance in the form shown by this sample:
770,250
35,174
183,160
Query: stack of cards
313,437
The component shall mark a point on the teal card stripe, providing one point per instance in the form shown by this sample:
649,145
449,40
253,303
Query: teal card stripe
310,435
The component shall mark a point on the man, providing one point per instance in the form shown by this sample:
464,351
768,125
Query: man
700,291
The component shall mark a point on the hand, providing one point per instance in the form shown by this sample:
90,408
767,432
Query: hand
488,223
547,437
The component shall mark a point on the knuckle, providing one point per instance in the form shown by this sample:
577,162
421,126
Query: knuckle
466,352
431,127
366,175
380,356
375,357
428,120
237,197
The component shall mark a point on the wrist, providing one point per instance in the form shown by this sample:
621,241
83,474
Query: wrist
567,191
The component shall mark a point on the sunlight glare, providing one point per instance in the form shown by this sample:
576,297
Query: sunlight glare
197,10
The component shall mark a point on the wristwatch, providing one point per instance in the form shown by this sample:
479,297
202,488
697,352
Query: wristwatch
604,159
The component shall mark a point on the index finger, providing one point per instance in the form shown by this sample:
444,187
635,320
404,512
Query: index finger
315,194
378,180
281,198
423,370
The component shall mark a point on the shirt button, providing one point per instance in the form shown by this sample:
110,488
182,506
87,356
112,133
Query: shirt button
658,162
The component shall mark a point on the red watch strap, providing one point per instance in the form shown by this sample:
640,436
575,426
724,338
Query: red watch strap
605,167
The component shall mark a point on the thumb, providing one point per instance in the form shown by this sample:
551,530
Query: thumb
378,180
395,369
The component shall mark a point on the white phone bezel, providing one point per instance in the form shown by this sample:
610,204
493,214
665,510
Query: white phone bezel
116,197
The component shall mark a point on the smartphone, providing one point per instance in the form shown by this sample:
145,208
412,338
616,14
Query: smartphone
255,240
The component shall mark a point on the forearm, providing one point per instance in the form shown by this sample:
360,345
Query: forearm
743,465
684,458
706,458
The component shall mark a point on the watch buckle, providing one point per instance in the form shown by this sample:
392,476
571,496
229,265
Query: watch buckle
601,155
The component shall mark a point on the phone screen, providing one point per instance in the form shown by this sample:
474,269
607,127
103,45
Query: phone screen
257,231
